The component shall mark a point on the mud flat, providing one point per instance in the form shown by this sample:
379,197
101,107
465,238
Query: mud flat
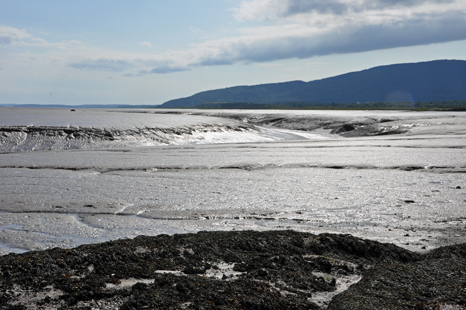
71,178
302,209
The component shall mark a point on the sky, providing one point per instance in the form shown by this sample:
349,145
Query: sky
146,52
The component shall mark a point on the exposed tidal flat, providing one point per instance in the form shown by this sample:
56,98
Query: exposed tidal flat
393,180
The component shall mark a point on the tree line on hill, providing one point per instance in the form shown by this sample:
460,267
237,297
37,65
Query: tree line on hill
433,81
445,105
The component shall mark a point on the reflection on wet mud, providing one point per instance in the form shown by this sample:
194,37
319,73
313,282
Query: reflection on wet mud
71,182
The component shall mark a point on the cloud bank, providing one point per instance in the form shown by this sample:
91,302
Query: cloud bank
303,29
275,9
289,29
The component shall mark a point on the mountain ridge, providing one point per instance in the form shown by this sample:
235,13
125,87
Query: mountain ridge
407,82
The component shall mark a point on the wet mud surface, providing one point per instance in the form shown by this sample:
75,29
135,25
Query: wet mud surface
235,270
253,196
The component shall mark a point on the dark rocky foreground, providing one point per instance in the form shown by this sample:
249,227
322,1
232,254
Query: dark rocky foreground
235,270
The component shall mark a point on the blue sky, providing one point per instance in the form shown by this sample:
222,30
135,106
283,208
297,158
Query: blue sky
148,52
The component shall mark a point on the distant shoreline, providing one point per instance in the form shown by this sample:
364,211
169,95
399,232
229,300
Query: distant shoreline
446,105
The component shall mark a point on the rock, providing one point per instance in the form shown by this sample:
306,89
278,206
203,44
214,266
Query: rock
274,270
193,270
262,272
431,283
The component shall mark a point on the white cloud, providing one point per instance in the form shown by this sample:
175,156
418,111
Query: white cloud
12,36
146,44
276,9
260,9
102,64
195,30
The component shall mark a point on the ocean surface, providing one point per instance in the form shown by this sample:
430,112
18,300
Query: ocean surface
91,175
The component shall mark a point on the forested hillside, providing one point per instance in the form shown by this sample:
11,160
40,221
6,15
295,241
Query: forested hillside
431,81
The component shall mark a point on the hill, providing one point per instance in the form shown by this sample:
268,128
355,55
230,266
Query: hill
425,81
